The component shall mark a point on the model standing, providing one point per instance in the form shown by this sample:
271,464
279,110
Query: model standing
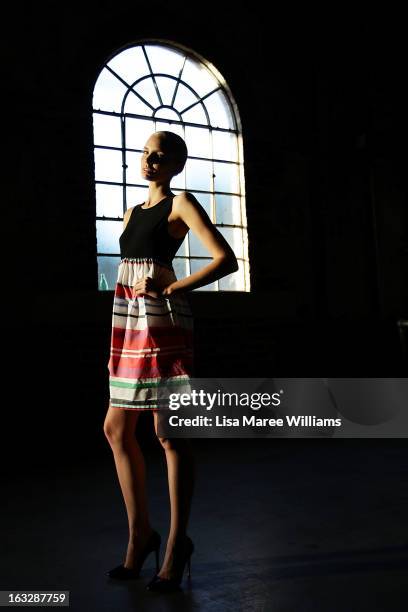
152,341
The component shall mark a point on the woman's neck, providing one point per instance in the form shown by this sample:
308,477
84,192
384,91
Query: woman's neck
157,193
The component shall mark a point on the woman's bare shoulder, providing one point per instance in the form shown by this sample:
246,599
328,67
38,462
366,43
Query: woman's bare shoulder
127,215
188,208
186,198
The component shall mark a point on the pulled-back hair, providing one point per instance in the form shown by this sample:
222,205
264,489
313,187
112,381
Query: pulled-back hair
176,145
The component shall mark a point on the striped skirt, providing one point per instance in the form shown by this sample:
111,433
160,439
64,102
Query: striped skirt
152,338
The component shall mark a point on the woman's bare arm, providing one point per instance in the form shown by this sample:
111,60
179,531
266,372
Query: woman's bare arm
188,209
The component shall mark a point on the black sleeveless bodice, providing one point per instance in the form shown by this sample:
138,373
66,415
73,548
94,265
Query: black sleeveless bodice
146,235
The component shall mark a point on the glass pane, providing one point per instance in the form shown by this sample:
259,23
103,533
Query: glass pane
233,235
133,170
166,113
136,195
167,88
107,273
147,91
108,165
197,264
179,181
107,130
205,201
180,267
182,252
137,132
225,146
108,92
198,77
134,105
198,174
245,243
234,281
169,127
226,177
198,142
107,236
130,64
196,115
109,200
163,59
184,98
227,209
219,111
197,249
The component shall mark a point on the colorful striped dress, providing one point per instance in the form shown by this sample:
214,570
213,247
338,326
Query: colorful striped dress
152,337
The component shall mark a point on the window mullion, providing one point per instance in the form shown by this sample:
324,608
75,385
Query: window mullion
124,166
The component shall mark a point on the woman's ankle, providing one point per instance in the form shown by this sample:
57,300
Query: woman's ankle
177,539
140,532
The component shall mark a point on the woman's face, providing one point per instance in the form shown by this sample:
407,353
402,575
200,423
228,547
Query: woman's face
157,163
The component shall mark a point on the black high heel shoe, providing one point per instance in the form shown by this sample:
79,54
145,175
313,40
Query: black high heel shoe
166,585
126,573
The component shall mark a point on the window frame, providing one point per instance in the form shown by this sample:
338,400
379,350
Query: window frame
156,121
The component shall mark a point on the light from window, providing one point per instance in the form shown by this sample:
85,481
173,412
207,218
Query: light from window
155,86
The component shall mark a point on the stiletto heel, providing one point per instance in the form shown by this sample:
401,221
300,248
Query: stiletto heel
126,573
165,585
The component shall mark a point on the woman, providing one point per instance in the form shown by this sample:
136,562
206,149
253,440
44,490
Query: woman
152,341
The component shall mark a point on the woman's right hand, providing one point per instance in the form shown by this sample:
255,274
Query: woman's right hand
146,286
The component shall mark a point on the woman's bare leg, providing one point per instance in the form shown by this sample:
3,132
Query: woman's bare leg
181,474
119,428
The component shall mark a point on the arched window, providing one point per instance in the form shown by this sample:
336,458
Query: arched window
155,85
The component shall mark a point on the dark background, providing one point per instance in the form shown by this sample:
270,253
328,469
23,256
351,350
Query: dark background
322,101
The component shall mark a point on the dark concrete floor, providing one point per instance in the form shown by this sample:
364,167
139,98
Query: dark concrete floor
282,525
